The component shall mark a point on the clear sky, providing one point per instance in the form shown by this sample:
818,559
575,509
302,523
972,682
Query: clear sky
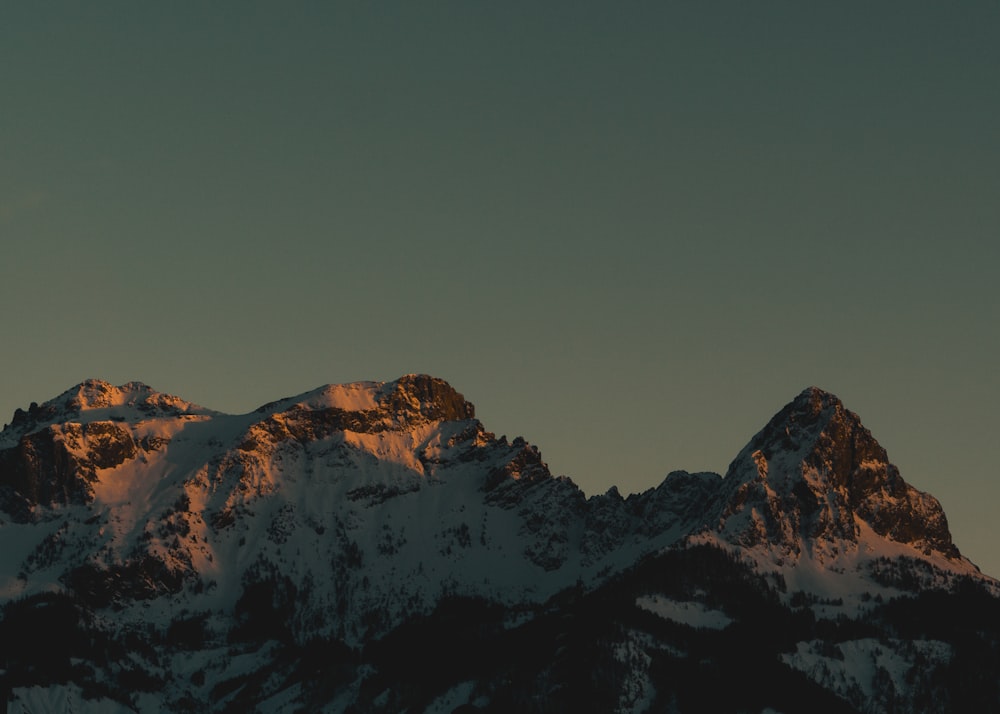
628,231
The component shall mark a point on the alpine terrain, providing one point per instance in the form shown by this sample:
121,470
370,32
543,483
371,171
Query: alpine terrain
371,547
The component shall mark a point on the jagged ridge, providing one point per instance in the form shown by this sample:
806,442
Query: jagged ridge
343,513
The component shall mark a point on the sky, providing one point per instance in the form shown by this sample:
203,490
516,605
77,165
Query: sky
629,232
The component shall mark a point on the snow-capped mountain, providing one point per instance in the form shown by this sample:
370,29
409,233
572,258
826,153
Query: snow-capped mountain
377,498
207,561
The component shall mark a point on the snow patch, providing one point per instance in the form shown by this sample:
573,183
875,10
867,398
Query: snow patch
354,397
693,614
866,670
61,698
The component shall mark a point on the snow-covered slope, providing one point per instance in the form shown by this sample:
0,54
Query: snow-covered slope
370,501
344,513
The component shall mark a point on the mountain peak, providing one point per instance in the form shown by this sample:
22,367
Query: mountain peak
814,472
802,424
412,396
99,394
432,397
97,399
814,392
817,399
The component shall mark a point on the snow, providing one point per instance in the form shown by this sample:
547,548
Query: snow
862,669
416,538
19,540
691,613
455,697
61,698
354,397
637,693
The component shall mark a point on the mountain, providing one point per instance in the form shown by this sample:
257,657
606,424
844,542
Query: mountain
372,547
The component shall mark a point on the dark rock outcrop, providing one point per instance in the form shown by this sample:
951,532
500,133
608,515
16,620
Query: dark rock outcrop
57,465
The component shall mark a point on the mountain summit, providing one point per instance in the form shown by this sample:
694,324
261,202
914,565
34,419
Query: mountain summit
815,477
349,515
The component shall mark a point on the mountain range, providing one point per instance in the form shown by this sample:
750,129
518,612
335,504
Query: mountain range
371,547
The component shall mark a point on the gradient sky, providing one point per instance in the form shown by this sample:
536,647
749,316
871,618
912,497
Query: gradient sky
630,232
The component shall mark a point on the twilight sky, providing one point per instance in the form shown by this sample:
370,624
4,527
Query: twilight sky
630,232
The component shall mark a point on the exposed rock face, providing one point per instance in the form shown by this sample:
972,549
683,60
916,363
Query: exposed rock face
429,397
58,465
51,453
815,473
408,402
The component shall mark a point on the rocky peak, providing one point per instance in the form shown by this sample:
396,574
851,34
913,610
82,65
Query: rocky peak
815,422
410,402
98,394
95,399
813,434
411,398
430,397
813,471
65,407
